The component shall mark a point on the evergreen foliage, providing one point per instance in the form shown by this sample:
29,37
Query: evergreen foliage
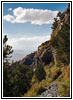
16,81
62,44
19,79
7,49
55,23
40,73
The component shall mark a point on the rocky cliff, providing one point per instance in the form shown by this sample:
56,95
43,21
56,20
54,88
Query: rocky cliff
44,56
54,56
46,53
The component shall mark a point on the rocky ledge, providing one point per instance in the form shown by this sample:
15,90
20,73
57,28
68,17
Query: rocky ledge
51,91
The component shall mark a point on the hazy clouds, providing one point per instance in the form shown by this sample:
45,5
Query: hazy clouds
30,43
34,16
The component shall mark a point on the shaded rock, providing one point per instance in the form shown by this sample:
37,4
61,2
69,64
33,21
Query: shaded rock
43,56
28,59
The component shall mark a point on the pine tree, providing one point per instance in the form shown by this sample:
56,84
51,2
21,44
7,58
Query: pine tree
55,24
7,49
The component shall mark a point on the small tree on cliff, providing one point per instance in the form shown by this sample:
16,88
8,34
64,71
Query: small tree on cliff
55,24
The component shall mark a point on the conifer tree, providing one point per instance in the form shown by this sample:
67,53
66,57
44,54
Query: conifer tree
40,73
7,49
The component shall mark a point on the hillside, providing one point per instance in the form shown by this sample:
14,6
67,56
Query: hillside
54,56
46,72
46,52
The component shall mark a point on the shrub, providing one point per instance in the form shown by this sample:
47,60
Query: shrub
45,83
48,72
40,73
34,90
19,81
56,74
37,88
66,71
64,82
64,91
34,80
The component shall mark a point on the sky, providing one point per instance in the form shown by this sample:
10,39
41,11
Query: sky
27,25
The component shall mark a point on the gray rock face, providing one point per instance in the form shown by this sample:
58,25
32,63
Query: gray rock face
28,59
43,56
51,91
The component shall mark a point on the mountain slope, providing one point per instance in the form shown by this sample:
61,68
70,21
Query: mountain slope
54,55
45,72
46,52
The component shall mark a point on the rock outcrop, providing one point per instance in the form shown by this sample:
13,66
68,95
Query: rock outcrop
51,91
43,56
28,60
46,53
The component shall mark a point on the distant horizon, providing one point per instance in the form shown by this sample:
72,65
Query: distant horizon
28,25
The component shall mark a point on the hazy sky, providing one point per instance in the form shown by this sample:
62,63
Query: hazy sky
27,25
